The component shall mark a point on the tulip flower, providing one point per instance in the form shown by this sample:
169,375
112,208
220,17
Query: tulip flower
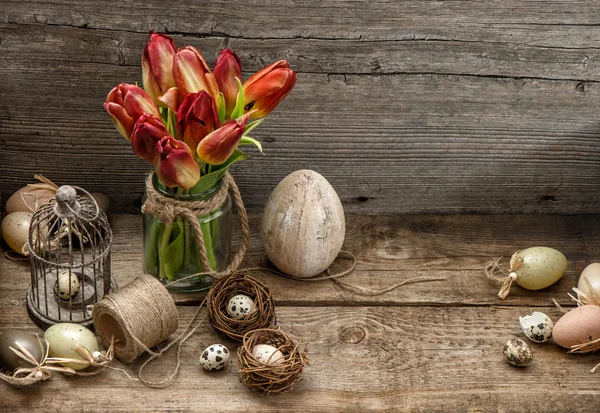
174,163
266,88
192,74
218,145
157,70
125,104
227,68
197,117
148,130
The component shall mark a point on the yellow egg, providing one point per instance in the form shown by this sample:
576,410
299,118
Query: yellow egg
303,224
15,227
541,267
62,339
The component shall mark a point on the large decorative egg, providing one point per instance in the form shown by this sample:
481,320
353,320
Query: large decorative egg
303,224
589,283
579,326
9,359
541,267
63,337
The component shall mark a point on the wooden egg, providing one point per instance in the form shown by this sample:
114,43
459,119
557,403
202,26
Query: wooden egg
303,224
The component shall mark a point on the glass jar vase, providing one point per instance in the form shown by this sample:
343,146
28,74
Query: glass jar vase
170,250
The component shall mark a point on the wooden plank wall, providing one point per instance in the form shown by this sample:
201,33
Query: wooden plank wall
405,106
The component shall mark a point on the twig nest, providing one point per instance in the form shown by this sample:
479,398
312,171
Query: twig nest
234,324
266,370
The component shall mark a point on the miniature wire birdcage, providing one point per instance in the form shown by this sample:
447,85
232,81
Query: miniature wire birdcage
69,242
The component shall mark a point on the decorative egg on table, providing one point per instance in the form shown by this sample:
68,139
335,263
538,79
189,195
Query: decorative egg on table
303,224
63,337
589,283
580,325
239,306
15,227
9,360
214,357
540,268
267,354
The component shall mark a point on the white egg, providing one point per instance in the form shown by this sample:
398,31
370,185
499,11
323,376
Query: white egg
240,306
62,339
537,327
214,357
267,354
64,287
15,227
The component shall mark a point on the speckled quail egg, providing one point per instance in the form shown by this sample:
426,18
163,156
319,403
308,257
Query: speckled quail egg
518,353
64,287
214,357
267,354
537,326
239,306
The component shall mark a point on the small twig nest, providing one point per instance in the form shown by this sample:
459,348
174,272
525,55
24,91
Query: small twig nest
239,283
274,378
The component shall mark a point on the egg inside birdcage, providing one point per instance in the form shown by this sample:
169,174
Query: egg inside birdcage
69,242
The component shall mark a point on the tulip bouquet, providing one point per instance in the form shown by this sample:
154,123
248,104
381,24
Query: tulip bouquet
189,122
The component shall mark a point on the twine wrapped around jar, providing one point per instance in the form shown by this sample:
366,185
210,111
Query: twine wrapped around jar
168,210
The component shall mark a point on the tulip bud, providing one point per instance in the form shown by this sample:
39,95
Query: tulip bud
125,104
218,146
227,68
197,117
148,130
266,88
192,74
174,163
157,67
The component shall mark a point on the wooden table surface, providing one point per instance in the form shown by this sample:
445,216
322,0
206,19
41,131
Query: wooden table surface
431,347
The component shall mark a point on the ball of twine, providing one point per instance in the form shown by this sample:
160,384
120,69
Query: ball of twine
139,316
239,283
271,378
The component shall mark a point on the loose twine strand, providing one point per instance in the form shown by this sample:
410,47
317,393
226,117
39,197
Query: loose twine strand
493,268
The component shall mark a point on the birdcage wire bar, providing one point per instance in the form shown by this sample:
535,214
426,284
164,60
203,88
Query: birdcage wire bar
68,237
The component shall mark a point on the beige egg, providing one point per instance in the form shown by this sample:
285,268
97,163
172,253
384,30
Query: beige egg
66,287
592,274
15,227
27,198
303,224
63,338
542,267
578,326
267,354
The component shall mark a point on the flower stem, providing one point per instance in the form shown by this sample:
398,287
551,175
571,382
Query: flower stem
210,253
164,243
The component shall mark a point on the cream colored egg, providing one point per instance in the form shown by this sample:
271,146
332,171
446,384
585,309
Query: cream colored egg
591,273
15,227
66,287
62,339
303,224
267,354
541,267
240,306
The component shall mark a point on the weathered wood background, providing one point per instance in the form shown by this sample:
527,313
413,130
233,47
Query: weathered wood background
413,106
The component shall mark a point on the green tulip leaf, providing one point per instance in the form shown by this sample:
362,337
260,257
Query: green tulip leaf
250,126
209,180
222,107
238,110
173,254
152,240
247,140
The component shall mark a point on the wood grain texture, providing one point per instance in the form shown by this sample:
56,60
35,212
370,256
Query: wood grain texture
421,107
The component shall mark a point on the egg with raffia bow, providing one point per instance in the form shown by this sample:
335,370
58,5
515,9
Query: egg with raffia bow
303,224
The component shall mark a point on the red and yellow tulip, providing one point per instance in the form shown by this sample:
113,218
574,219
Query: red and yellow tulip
175,164
227,68
196,118
218,146
192,74
157,70
266,88
148,130
125,104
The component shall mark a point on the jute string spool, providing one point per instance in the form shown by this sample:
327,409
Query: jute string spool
139,316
